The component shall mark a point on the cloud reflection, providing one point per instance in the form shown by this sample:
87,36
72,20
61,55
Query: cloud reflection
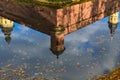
89,51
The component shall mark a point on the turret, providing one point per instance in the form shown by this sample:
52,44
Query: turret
113,22
57,40
58,53
7,27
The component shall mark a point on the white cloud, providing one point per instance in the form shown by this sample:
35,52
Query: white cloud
84,34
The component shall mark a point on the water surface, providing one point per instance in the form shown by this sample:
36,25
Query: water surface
89,52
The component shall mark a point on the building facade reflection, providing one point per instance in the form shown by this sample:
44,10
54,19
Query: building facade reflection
57,35
7,27
113,23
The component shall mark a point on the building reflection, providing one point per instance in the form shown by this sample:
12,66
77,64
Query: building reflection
57,54
57,40
113,23
7,27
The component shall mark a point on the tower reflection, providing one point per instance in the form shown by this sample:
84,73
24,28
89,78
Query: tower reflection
113,22
57,54
7,27
57,41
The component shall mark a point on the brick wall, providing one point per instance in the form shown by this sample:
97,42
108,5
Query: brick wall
80,15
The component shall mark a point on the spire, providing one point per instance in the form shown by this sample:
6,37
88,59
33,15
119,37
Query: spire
113,22
7,34
112,28
7,27
57,53
57,40
8,39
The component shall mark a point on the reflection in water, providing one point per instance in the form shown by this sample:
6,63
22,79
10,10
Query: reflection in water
7,27
113,22
58,54
89,52
57,48
57,41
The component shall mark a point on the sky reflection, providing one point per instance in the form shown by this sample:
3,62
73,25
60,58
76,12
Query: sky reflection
89,52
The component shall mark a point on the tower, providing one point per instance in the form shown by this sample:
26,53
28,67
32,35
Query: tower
57,41
113,22
7,27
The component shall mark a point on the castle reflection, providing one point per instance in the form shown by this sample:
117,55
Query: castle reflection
7,27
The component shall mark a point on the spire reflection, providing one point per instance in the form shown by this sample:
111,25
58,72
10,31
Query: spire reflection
7,27
113,22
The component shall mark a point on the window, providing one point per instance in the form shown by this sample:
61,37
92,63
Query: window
111,18
5,22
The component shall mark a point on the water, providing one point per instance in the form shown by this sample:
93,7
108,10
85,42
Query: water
89,52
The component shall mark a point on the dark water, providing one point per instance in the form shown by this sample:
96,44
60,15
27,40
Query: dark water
89,52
